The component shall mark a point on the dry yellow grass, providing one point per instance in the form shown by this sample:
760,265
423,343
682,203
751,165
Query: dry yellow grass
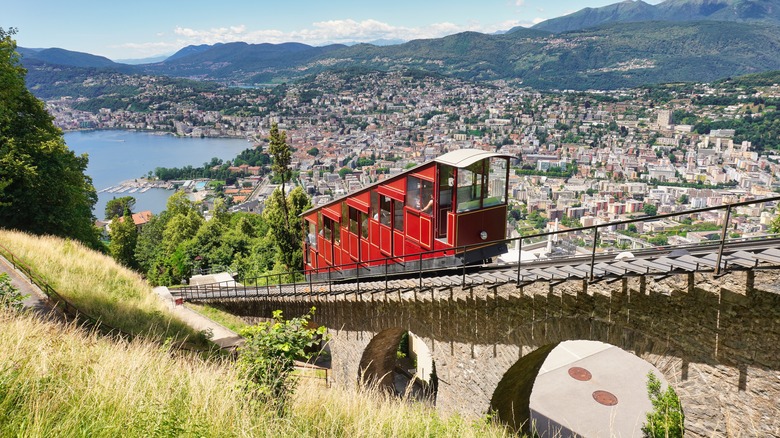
96,285
58,380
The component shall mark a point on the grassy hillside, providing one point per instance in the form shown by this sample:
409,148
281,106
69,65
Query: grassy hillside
96,285
61,381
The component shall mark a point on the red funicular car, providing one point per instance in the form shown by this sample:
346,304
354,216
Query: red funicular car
421,217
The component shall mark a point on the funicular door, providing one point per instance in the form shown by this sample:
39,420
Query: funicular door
446,179
385,224
353,235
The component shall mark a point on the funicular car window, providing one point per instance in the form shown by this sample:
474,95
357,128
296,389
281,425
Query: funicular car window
470,187
419,194
327,228
312,235
375,205
384,210
496,190
398,219
353,220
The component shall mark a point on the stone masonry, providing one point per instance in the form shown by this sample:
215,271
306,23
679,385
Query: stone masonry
717,340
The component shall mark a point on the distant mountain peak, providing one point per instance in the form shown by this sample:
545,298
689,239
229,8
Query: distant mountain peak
629,11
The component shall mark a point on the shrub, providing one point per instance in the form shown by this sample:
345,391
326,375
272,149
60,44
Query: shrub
9,295
666,419
267,359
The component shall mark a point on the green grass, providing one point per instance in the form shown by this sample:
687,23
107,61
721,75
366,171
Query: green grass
232,322
96,285
58,380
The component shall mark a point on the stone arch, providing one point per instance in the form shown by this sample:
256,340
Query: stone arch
575,388
411,373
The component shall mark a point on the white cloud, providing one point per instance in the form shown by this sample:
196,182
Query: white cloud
538,20
519,2
323,32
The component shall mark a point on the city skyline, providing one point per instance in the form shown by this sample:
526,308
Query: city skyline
145,29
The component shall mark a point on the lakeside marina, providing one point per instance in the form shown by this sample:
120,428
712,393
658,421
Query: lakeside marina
140,185
120,161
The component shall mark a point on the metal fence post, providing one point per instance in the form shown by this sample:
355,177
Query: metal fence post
723,239
420,271
593,254
463,279
519,257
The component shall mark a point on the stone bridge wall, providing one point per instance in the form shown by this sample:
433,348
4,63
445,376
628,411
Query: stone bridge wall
717,341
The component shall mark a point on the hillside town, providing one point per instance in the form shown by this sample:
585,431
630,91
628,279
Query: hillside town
582,158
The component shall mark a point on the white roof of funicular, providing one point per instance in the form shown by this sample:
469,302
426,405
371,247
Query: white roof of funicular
466,157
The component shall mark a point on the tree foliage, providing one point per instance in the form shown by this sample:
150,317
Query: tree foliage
116,207
287,237
666,420
43,188
124,237
267,359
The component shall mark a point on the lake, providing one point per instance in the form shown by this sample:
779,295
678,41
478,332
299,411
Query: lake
117,156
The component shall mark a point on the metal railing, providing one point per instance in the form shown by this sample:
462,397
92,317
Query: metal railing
324,276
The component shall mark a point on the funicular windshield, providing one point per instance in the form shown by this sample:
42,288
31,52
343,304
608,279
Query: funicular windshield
482,184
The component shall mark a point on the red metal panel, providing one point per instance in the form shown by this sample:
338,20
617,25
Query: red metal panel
337,256
426,231
471,224
373,232
426,172
364,250
398,195
451,228
398,183
385,239
327,251
353,245
333,213
374,254
311,217
358,204
398,243
412,225
410,249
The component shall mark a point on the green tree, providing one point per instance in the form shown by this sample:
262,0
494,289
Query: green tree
287,238
124,238
267,359
117,207
43,188
277,146
666,420
148,249
344,171
774,226
650,209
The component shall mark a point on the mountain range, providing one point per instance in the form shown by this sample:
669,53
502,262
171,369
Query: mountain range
626,44
628,11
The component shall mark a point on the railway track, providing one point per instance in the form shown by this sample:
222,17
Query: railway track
612,266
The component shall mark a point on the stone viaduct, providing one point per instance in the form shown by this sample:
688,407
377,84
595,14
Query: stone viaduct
716,340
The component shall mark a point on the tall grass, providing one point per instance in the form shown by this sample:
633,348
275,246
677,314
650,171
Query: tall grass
59,380
98,286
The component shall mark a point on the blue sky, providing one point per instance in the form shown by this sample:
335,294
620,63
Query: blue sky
143,28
